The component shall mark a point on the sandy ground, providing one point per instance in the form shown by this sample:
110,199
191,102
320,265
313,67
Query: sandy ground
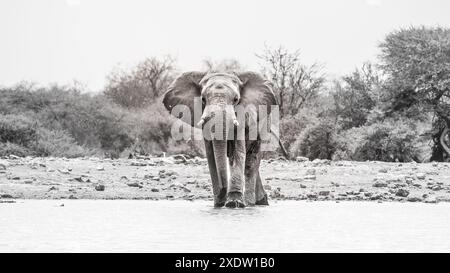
177,178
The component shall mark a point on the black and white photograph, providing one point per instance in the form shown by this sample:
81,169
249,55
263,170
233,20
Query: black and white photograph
204,126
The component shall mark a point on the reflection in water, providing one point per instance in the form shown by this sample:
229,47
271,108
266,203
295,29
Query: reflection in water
180,226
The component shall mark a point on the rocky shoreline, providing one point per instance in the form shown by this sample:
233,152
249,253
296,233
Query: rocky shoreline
179,178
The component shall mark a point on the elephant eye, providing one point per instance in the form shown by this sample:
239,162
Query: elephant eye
235,100
203,100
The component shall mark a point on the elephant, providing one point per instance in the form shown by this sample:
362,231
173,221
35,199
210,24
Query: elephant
233,161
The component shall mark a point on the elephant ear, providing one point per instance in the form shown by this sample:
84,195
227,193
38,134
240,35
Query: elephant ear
255,90
183,91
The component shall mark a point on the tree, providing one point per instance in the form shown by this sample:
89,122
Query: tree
294,83
356,95
226,65
417,64
143,84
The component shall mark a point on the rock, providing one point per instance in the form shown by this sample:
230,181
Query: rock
155,190
267,187
317,162
15,177
379,184
302,186
335,184
402,193
376,197
324,193
6,195
312,196
436,188
179,158
78,179
138,163
53,188
421,176
414,199
310,177
28,181
301,159
14,157
100,168
4,164
100,187
134,184
431,200
64,171
383,170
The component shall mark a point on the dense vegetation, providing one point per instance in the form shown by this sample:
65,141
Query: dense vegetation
394,110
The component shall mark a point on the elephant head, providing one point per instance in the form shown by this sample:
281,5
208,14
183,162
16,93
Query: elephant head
220,94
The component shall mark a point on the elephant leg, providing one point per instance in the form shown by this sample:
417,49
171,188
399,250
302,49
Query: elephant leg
235,194
261,195
219,190
252,160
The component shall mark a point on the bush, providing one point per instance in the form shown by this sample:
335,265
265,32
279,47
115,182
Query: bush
57,143
390,140
8,148
17,129
317,140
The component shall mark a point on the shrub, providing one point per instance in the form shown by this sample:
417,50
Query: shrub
57,143
390,140
17,129
317,140
8,148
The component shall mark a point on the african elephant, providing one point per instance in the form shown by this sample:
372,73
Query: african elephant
233,161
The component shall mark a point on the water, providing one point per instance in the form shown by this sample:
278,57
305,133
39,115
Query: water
183,226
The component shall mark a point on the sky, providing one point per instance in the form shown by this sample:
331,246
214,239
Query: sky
62,41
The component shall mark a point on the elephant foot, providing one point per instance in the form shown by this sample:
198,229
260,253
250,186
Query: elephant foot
235,200
220,199
263,202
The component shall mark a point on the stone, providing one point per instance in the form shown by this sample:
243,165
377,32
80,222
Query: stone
100,187
100,168
383,170
312,196
155,190
4,164
379,184
6,195
324,193
134,184
402,193
302,186
138,163
414,199
64,171
301,159
421,176
310,177
431,200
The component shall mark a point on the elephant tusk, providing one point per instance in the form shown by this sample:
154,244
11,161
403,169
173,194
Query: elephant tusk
235,122
201,122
